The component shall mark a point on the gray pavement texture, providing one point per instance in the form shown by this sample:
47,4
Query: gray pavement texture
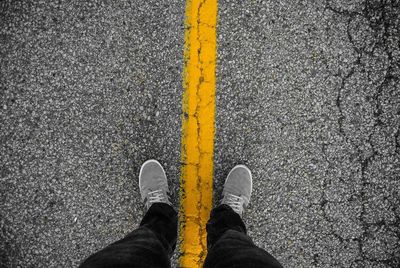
308,97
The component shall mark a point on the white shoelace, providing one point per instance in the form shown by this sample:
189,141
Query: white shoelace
235,202
156,196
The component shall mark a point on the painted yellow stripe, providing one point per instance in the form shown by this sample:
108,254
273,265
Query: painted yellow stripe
197,129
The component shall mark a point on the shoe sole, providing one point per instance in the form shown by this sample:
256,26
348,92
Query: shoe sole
251,177
150,161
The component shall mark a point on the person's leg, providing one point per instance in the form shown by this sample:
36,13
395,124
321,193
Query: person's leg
152,244
227,241
230,246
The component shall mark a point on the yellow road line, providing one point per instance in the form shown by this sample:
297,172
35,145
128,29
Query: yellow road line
197,129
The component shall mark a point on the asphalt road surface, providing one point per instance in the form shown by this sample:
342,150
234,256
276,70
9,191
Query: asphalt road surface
308,96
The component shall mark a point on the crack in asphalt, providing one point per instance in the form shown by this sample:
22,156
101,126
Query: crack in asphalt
380,16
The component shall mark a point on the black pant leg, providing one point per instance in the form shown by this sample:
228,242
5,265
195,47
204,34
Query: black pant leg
230,246
151,245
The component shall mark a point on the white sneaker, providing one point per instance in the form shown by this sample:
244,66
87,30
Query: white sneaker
153,183
237,188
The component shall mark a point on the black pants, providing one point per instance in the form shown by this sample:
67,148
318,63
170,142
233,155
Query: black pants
152,244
